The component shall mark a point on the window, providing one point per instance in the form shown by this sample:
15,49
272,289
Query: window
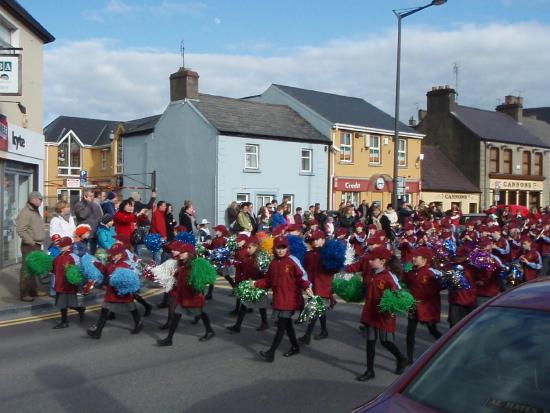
243,198
252,156
351,197
305,160
402,152
263,199
507,161
68,157
526,163
345,147
6,33
494,160
70,195
119,156
374,149
289,201
538,164
103,163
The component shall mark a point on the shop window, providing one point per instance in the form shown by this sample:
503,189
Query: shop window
538,164
306,160
473,208
374,150
346,146
103,160
7,31
262,200
289,198
526,164
252,156
119,156
68,157
402,152
351,198
242,197
507,161
512,198
494,160
522,198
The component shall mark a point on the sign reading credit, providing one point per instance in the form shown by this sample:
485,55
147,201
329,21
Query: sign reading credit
351,185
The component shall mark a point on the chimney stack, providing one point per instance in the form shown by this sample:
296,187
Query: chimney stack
440,99
512,106
412,121
184,84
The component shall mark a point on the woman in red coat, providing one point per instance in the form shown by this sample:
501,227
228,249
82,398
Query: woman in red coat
425,287
378,325
112,301
284,277
125,219
188,300
247,269
65,293
322,284
158,220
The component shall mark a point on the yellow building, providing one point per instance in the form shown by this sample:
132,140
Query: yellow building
361,160
81,153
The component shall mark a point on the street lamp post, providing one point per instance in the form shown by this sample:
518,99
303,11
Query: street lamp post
401,14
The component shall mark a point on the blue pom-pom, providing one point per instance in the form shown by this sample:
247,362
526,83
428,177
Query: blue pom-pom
90,271
219,256
450,246
186,238
53,251
124,281
297,247
333,255
153,242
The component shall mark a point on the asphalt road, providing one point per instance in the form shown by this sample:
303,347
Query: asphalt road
44,370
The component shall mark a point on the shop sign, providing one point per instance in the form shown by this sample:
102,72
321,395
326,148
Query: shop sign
3,133
22,141
10,74
350,185
72,183
516,185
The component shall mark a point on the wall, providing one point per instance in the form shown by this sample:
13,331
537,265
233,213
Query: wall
279,173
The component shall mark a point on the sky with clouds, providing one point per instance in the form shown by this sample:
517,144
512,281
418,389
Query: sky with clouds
112,58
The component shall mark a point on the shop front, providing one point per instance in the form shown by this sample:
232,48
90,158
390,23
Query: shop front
516,192
21,169
467,202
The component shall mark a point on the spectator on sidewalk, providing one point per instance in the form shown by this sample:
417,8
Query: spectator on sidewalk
108,206
62,223
187,216
87,211
138,205
30,228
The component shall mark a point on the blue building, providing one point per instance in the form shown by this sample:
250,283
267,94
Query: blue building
214,150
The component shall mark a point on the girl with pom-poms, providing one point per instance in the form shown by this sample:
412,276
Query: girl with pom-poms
247,269
284,277
188,300
65,293
112,301
382,326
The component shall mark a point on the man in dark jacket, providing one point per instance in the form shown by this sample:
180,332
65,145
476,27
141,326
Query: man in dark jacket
186,216
138,205
88,212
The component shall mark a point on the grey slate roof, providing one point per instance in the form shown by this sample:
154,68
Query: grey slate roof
241,117
140,126
94,132
344,109
540,113
440,174
495,126
538,128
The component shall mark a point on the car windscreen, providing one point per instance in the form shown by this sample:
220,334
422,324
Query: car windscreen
500,362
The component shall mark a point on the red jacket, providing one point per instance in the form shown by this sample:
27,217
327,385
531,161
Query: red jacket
515,249
425,288
60,265
125,223
111,295
532,257
488,282
406,247
319,277
187,296
158,223
465,297
375,285
544,243
284,277
357,244
247,269
217,242
502,243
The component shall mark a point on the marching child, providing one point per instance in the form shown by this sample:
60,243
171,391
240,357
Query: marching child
463,301
188,300
357,239
65,293
487,279
284,277
530,259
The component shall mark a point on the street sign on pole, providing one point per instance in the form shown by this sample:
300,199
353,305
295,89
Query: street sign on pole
83,178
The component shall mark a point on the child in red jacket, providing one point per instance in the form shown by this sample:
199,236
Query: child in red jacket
463,301
425,287
284,277
378,325
188,300
65,293
322,284
530,259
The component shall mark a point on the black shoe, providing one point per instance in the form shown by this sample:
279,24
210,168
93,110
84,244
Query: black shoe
249,310
208,296
298,321
94,332
234,329
162,304
148,309
61,325
207,336
81,312
263,326
322,335
165,326
165,342
362,329
305,339
292,352
368,375
196,320
112,316
401,365
267,356
137,328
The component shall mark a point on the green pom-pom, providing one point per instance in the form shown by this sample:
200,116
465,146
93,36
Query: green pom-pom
351,290
102,256
38,263
408,267
314,308
263,259
202,274
200,251
247,293
232,243
396,302
74,275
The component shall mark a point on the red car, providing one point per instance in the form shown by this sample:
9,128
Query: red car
495,360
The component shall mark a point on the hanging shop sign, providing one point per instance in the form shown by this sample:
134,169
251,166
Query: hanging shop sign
10,74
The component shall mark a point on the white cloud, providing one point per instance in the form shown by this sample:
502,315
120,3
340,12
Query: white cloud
92,16
217,20
172,7
98,79
119,7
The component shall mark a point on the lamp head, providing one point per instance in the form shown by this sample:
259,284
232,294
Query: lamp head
22,108
438,2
